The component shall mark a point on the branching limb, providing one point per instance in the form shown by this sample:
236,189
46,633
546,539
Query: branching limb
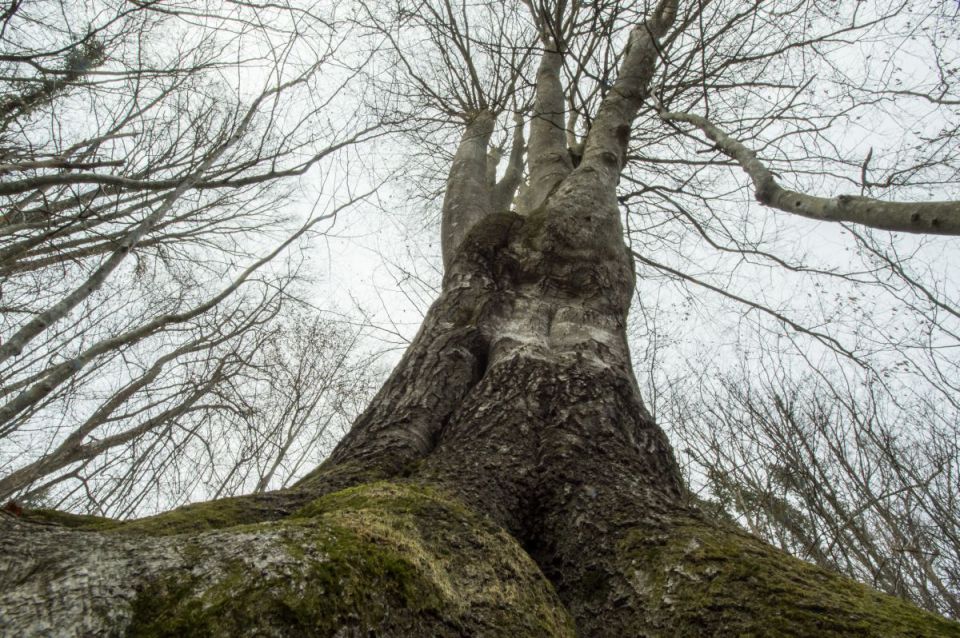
15,344
506,188
606,145
468,194
941,218
62,372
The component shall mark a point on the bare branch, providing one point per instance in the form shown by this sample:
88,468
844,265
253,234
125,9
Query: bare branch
942,218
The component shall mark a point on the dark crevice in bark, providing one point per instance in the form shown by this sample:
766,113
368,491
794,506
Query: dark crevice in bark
543,429
550,438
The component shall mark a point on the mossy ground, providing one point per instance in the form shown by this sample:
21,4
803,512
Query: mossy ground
711,579
383,559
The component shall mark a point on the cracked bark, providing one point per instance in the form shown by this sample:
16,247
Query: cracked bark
517,401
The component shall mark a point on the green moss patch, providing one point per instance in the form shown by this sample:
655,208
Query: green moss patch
342,475
198,517
382,559
64,519
709,579
304,582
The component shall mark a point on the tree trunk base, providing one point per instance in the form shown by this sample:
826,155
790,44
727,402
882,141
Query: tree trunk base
401,559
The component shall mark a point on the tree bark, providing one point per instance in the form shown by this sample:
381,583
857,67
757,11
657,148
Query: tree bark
506,480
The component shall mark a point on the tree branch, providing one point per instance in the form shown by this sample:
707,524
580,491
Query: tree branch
606,144
547,152
506,188
468,195
941,218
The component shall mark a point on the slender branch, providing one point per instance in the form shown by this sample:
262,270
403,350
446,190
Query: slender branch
825,339
15,344
506,188
62,372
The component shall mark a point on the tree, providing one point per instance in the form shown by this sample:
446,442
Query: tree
830,477
507,479
150,155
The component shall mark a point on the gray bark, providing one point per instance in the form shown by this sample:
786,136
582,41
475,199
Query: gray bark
548,157
941,218
467,197
517,401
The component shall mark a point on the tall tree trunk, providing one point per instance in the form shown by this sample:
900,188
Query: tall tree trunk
506,480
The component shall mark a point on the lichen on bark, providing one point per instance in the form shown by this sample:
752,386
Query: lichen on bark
380,559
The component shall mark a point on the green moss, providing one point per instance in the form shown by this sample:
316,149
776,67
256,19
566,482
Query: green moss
492,232
333,579
198,517
342,474
382,559
63,519
484,242
701,579
386,497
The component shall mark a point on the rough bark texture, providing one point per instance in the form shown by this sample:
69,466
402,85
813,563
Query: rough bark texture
529,494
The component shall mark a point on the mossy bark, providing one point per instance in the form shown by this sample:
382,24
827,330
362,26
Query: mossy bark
506,481
382,559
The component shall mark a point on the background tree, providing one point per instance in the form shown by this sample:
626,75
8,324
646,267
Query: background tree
833,473
150,156
507,479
